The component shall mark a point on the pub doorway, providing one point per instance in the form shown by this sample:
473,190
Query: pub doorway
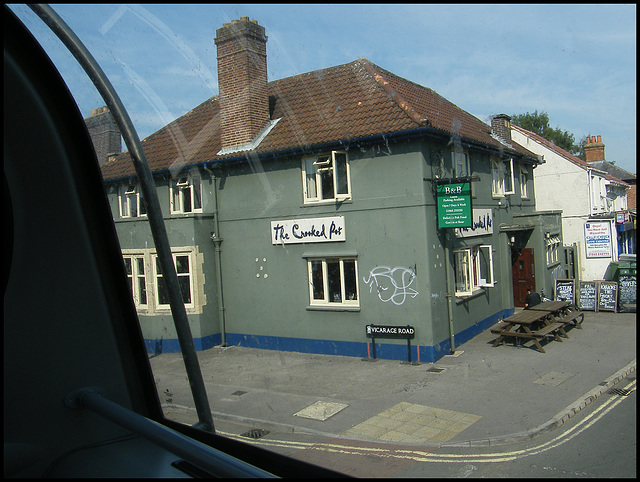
523,274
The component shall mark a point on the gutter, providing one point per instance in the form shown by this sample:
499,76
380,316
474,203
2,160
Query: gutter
372,139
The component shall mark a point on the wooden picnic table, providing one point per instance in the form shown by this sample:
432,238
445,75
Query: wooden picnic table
550,306
529,325
563,311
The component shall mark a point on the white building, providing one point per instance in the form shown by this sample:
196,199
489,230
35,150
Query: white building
588,197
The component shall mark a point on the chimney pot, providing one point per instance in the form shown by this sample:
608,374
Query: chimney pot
594,149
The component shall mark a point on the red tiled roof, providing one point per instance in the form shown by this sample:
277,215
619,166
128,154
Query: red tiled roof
562,152
341,103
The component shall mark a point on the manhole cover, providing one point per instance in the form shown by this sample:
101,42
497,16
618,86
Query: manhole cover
255,433
238,393
623,392
435,370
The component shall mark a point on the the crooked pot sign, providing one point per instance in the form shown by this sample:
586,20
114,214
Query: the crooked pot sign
310,230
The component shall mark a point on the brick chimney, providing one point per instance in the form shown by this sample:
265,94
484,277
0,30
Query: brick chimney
594,149
104,134
501,127
242,80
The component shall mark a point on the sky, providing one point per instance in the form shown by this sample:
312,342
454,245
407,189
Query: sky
575,62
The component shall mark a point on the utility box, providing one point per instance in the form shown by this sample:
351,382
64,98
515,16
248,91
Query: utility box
617,268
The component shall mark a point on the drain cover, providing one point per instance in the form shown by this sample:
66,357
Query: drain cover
255,433
623,392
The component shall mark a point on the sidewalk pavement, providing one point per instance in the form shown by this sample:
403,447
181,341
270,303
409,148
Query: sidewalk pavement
480,395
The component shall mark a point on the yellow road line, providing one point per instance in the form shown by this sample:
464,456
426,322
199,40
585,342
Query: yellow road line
425,456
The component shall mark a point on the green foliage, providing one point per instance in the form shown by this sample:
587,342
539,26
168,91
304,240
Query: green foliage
539,124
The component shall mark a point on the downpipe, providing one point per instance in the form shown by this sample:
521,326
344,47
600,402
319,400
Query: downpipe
217,243
449,292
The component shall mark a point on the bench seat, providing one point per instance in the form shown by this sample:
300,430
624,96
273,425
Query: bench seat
551,329
499,328
573,316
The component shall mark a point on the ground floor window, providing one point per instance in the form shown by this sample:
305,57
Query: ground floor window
136,276
183,270
473,269
333,281
147,283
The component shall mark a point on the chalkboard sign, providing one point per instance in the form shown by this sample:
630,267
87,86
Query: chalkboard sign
607,296
627,293
587,296
565,290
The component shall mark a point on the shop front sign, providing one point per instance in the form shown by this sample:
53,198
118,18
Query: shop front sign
597,236
309,230
481,224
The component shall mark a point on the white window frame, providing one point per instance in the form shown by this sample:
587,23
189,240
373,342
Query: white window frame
468,269
552,249
460,166
136,270
524,178
313,170
186,194
130,201
348,298
502,173
181,276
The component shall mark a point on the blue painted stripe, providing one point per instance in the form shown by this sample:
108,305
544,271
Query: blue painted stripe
386,351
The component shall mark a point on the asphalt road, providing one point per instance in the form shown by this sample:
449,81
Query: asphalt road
599,442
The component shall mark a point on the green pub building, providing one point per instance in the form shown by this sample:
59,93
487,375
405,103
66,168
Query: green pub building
302,210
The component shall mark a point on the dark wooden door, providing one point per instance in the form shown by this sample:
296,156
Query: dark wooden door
524,276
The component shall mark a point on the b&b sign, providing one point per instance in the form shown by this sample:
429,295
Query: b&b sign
386,331
454,205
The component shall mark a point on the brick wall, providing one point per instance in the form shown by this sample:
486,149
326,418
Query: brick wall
631,197
501,126
242,80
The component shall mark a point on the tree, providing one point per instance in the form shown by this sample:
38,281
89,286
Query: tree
539,124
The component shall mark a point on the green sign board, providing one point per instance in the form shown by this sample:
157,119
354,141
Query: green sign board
454,205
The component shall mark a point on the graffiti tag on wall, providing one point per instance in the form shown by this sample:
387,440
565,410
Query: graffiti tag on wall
392,284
